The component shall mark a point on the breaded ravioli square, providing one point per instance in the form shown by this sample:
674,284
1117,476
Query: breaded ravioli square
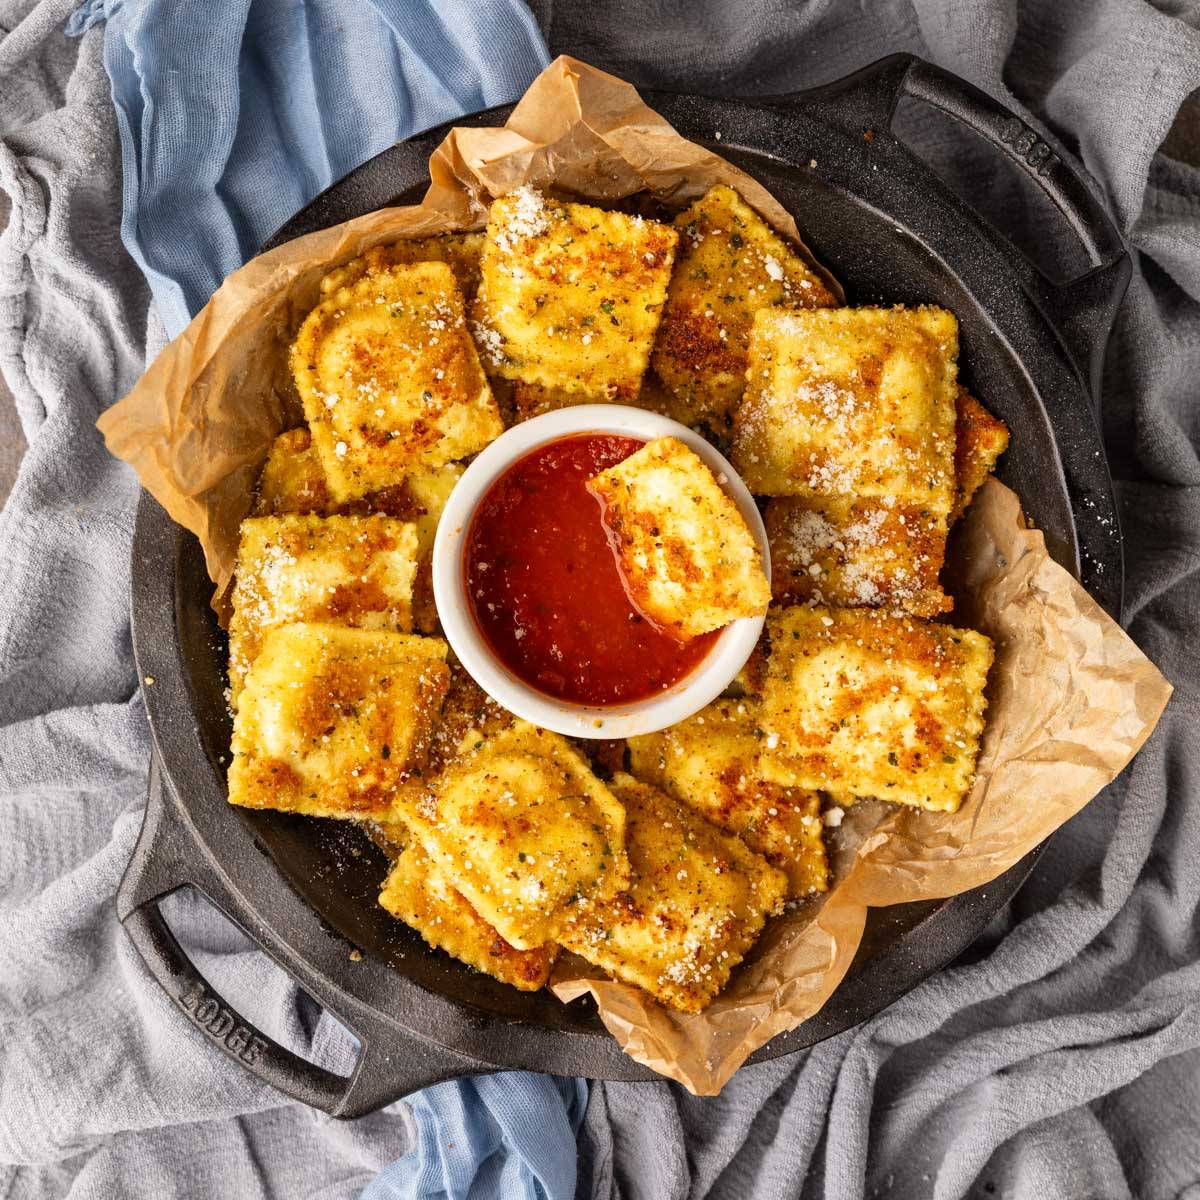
850,401
846,552
426,494
571,295
980,438
467,709
390,380
730,263
335,722
292,479
697,901
418,894
863,703
346,570
518,823
689,561
710,762
533,399
459,251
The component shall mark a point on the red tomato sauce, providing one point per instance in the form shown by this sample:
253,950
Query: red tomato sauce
545,589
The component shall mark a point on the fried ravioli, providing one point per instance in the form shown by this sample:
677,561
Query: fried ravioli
354,571
459,251
710,762
850,401
571,295
467,709
418,894
292,479
689,561
335,722
857,553
862,703
429,490
730,263
696,903
980,439
521,826
390,380
533,399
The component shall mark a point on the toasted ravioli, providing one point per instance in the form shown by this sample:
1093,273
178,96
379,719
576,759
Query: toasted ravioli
751,678
292,479
347,570
850,401
519,824
710,762
696,903
533,399
390,379
689,561
389,835
979,440
863,703
571,295
334,722
429,491
846,552
467,709
459,251
418,894
730,263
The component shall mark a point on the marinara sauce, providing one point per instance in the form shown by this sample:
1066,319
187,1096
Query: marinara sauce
545,589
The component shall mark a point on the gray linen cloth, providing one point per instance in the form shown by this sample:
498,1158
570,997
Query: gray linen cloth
1057,1059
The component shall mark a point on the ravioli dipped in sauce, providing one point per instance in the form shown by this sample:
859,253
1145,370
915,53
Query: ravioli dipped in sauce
545,589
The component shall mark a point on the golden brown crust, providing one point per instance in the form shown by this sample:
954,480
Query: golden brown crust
522,827
571,295
850,401
980,438
730,264
689,561
417,893
390,379
467,709
292,479
355,571
696,903
711,763
335,722
857,553
871,704
459,251
533,399
293,482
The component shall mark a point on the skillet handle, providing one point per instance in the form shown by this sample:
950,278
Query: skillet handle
1082,309
166,859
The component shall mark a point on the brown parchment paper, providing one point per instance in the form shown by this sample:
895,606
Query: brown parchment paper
1071,698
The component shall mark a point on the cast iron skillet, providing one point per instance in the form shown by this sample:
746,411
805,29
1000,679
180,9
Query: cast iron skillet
305,890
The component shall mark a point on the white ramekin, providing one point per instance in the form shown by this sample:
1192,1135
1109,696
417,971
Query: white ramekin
705,683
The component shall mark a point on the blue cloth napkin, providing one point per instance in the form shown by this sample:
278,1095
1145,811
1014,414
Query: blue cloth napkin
232,117
509,1136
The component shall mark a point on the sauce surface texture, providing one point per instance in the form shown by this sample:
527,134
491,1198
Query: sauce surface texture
545,589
